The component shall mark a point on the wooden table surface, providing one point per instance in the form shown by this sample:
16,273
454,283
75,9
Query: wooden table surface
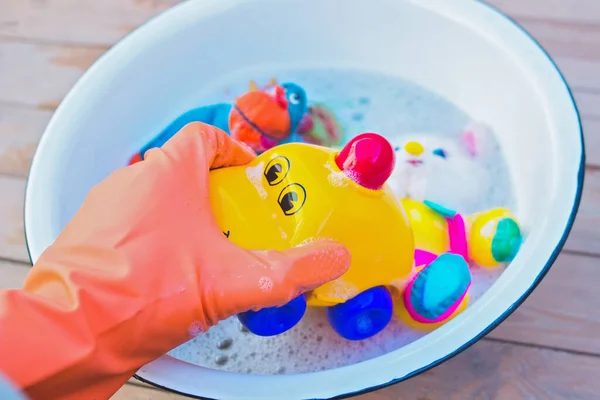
548,349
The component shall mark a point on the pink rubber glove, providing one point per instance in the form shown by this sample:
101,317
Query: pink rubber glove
141,269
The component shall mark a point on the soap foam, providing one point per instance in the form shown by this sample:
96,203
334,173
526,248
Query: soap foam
387,105
265,284
255,175
336,178
310,346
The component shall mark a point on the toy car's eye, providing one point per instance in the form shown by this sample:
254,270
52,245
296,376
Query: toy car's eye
294,98
440,153
292,198
276,170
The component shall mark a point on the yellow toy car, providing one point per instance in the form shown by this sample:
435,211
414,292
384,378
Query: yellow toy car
299,192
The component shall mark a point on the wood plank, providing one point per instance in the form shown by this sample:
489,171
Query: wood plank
493,370
569,39
562,311
587,11
104,23
138,392
61,66
542,320
12,234
20,132
490,370
574,46
487,369
580,74
576,49
591,134
559,314
588,103
12,274
22,127
40,75
584,236
75,21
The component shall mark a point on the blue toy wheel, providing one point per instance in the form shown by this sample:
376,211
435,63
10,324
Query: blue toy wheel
274,320
362,316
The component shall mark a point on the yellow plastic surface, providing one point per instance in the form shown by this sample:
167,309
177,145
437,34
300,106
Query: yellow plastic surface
481,228
307,197
430,229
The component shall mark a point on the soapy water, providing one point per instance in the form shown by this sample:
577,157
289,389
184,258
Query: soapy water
363,102
310,346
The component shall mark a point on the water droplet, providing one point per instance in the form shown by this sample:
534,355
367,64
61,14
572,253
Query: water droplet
225,344
265,284
221,360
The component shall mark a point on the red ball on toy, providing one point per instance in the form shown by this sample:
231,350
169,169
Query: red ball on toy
368,159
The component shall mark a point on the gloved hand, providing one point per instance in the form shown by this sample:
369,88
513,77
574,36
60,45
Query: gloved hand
141,269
